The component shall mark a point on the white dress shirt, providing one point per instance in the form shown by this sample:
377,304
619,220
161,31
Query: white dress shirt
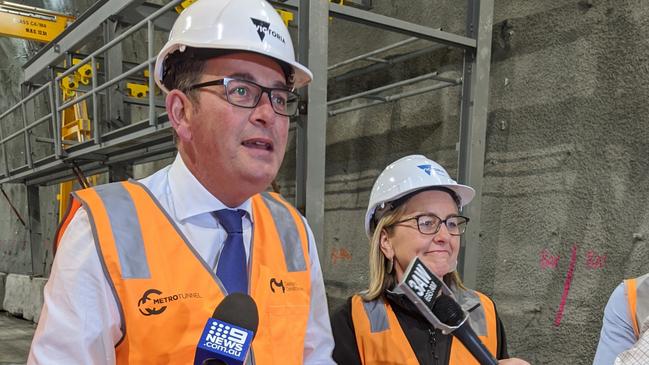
617,333
80,321
638,354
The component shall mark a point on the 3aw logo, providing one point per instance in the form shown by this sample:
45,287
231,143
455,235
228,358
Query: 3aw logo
263,28
422,283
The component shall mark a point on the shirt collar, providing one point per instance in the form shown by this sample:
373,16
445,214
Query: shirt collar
189,196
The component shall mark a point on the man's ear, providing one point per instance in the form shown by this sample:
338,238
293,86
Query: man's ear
179,111
386,246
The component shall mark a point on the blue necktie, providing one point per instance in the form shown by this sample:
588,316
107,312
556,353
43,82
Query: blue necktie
232,268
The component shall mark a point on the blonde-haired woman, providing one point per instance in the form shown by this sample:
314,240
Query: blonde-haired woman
414,210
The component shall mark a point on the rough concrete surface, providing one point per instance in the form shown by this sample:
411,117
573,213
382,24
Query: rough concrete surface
15,338
18,294
33,307
566,179
3,280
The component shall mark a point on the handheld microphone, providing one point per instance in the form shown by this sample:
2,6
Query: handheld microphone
422,287
432,297
450,313
227,336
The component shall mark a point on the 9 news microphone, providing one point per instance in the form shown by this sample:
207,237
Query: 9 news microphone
450,313
434,301
227,336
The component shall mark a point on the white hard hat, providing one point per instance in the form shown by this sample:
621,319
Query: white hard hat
409,174
243,25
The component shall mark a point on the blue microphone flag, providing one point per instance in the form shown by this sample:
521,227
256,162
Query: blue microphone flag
224,341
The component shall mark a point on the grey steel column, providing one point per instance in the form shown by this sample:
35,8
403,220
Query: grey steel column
311,131
473,128
117,115
38,251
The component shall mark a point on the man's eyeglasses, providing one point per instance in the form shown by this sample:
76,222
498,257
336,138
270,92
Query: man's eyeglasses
430,223
247,94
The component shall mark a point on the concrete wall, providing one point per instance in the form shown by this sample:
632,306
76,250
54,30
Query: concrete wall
565,182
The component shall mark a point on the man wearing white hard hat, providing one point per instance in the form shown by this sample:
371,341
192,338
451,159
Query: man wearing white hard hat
414,211
143,264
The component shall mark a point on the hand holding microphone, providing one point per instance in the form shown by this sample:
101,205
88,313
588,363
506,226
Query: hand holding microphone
227,336
433,300
451,314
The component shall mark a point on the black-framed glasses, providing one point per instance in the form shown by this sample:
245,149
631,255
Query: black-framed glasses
247,94
430,223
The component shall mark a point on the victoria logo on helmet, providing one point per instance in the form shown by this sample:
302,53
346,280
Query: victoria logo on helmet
425,168
263,28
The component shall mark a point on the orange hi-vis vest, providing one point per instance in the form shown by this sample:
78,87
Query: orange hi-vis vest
166,292
637,294
380,338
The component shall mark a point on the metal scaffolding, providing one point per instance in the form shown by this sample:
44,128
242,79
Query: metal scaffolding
117,141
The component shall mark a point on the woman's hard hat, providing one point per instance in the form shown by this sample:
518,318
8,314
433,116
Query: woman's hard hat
239,25
407,175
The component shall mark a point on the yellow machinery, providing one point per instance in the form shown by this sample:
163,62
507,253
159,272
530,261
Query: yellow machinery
31,23
75,126
136,90
40,25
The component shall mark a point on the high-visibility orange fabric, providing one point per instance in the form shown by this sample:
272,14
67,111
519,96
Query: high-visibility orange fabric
184,284
73,205
632,298
391,346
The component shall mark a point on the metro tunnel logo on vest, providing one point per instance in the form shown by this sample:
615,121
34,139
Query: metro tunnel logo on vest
150,303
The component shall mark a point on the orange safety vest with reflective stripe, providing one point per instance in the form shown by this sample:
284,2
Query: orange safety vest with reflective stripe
381,340
637,294
166,292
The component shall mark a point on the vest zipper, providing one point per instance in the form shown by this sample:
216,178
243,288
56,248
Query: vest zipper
432,339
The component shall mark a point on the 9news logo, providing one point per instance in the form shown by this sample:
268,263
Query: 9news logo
224,338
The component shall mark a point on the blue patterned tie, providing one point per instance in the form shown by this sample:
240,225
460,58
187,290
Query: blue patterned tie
232,268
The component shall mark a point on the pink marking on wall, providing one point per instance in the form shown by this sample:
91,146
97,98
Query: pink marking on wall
595,261
547,260
340,254
566,286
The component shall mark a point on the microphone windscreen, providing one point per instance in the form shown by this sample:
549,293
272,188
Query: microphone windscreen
240,310
448,311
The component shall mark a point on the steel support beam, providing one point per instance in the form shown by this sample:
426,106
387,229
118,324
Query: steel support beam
473,129
313,23
70,39
38,251
389,24
116,113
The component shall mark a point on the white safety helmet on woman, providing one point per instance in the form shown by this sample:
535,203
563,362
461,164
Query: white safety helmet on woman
238,25
408,175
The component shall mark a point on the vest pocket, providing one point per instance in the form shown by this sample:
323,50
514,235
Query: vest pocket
287,330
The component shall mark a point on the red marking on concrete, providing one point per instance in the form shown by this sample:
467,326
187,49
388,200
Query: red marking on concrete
566,286
340,254
594,260
547,260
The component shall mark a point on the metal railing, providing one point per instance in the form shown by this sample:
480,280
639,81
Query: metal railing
100,141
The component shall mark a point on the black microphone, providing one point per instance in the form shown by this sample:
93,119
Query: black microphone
451,314
227,336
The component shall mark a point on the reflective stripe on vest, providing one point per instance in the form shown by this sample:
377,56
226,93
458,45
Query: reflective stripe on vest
637,293
166,292
380,338
288,233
